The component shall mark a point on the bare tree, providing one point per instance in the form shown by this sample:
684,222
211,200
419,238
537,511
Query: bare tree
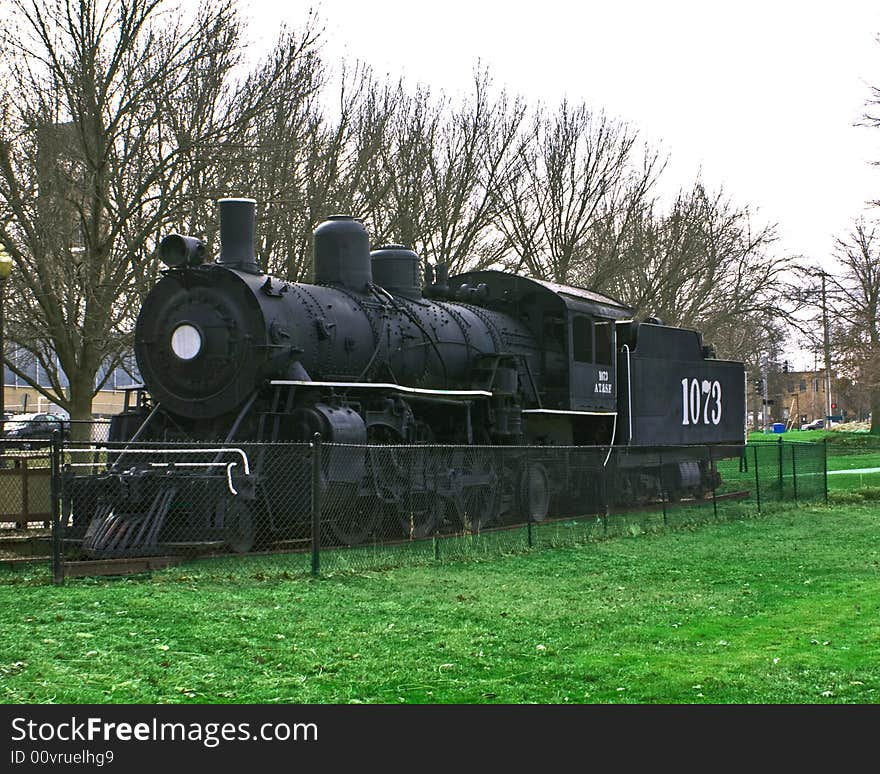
396,131
91,166
599,259
855,309
472,154
281,152
871,117
703,265
425,170
437,168
574,170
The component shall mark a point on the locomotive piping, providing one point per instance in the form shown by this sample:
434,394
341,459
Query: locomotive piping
238,420
415,320
525,362
611,445
382,386
229,449
229,467
138,434
565,412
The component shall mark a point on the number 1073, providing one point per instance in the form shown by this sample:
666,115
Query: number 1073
700,402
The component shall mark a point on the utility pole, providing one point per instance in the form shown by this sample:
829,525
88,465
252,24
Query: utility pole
827,345
765,396
5,271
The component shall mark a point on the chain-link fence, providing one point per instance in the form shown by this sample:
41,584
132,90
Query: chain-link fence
30,456
37,430
781,470
296,509
26,503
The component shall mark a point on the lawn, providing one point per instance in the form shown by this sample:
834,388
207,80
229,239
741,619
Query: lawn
846,451
778,608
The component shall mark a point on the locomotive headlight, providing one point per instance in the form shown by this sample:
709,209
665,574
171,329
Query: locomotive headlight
186,341
177,251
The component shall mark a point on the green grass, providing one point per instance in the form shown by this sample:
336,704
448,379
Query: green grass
777,609
846,451
840,437
852,451
794,435
851,461
848,482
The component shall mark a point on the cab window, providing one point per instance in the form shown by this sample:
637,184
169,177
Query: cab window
603,343
582,339
554,333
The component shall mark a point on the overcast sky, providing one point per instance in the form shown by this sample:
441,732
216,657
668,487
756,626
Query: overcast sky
758,97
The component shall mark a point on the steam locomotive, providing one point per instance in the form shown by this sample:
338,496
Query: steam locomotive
368,355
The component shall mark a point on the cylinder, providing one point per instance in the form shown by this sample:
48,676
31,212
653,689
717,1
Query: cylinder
342,253
237,227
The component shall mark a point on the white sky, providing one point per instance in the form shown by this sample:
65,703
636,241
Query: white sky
760,96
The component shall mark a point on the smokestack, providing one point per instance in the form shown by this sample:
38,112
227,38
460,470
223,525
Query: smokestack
237,226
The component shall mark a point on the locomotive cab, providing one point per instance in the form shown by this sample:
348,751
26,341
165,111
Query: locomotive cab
592,371
590,401
576,365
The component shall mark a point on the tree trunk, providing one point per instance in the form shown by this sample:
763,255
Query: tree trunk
81,393
875,410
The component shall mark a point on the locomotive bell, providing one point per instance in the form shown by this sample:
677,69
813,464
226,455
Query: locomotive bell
342,253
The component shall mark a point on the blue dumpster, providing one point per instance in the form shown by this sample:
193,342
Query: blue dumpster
779,427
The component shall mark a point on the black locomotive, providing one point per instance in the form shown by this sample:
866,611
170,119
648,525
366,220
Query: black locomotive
369,354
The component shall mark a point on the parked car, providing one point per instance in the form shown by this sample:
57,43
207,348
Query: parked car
816,424
35,426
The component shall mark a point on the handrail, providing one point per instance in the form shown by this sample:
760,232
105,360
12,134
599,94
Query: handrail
228,449
629,392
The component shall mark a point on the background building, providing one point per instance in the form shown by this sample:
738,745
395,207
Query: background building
21,398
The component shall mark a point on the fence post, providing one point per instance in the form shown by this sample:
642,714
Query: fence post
713,478
316,504
662,487
527,504
757,478
794,470
55,497
825,466
781,471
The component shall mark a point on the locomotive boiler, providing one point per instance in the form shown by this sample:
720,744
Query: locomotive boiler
371,353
